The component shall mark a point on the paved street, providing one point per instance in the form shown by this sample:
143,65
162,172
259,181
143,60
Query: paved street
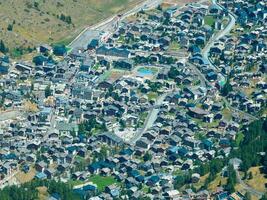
151,118
217,36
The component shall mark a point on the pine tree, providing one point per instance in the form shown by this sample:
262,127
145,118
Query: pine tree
3,48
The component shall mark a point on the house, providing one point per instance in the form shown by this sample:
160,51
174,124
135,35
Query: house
87,65
93,44
67,128
113,190
40,166
4,67
113,52
143,143
41,176
45,48
24,67
197,112
110,138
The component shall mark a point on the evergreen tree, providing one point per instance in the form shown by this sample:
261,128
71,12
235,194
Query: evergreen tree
3,48
10,27
227,88
48,91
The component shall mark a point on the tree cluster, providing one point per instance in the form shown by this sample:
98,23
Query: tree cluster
65,18
28,190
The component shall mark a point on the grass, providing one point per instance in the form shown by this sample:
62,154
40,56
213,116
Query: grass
152,96
209,20
96,66
174,46
42,193
25,177
102,181
227,114
32,26
201,182
219,180
75,182
239,138
258,180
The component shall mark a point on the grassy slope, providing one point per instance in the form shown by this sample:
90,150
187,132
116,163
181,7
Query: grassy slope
37,25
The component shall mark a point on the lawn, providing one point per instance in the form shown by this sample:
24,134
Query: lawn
227,113
239,138
209,20
102,181
174,46
152,95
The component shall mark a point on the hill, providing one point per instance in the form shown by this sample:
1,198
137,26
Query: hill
26,23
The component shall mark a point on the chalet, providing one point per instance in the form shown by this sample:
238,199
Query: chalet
197,112
44,48
113,52
93,44
110,138
4,67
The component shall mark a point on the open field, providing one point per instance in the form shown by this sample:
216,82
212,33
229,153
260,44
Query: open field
219,181
258,180
42,193
39,21
26,177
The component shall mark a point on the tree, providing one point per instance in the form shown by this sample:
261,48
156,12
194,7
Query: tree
264,197
247,196
10,27
48,91
147,156
62,17
3,48
250,176
173,73
159,7
38,60
68,19
227,88
36,5
122,124
232,180
59,50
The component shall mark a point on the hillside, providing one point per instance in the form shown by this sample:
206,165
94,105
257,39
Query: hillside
25,23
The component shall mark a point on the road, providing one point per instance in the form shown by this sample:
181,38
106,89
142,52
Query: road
251,190
109,25
217,36
151,118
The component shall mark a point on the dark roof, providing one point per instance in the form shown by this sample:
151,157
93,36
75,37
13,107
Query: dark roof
112,137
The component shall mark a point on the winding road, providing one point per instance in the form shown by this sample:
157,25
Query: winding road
217,36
